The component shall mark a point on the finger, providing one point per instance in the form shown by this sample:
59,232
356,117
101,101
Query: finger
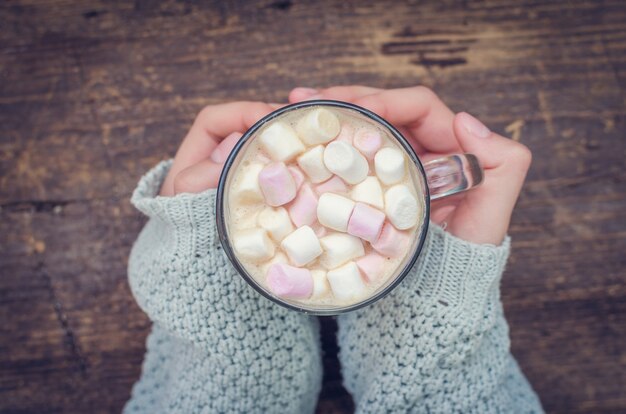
417,147
211,125
493,150
206,173
337,93
222,151
198,177
489,207
421,111
276,105
301,94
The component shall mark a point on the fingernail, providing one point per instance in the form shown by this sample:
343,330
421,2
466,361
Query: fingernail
306,92
313,97
217,155
474,126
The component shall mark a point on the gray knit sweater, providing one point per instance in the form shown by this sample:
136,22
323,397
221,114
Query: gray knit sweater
438,343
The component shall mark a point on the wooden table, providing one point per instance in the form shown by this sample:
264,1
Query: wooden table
92,95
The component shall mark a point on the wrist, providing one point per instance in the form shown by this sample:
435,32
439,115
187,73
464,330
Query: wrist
455,273
188,220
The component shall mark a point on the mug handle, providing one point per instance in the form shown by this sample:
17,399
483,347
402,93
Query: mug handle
452,174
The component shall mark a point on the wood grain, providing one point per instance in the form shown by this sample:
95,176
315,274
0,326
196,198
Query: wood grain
92,94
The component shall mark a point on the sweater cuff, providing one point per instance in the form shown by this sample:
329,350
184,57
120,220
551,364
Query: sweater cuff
187,220
459,274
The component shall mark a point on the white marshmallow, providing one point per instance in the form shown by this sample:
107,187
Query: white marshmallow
401,207
244,218
302,246
389,165
318,126
333,211
247,189
344,160
346,282
320,284
276,221
279,257
281,142
312,163
340,248
346,133
253,245
370,192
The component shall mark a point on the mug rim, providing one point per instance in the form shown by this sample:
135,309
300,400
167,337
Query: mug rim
220,200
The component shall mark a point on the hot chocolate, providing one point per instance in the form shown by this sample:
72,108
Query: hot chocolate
323,206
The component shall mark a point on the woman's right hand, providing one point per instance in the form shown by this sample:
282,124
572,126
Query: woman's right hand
481,215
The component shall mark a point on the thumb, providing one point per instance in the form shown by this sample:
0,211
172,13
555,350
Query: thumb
485,212
493,150
206,173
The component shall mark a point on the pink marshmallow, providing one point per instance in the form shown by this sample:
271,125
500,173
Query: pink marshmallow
366,222
368,142
332,185
346,133
277,184
298,175
391,242
290,282
372,265
303,210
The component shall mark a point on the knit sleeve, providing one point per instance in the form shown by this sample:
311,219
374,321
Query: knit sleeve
439,342
216,345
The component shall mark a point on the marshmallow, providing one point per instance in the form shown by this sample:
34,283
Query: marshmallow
334,185
346,282
401,207
318,126
246,189
289,282
372,266
262,158
277,184
389,165
302,246
344,160
369,191
366,222
320,284
320,231
297,174
281,142
391,242
333,211
368,142
346,133
279,257
312,163
303,210
253,245
340,248
244,218
276,221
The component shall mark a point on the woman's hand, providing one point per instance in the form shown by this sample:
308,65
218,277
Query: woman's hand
200,158
481,215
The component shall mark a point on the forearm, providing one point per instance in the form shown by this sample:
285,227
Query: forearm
439,342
